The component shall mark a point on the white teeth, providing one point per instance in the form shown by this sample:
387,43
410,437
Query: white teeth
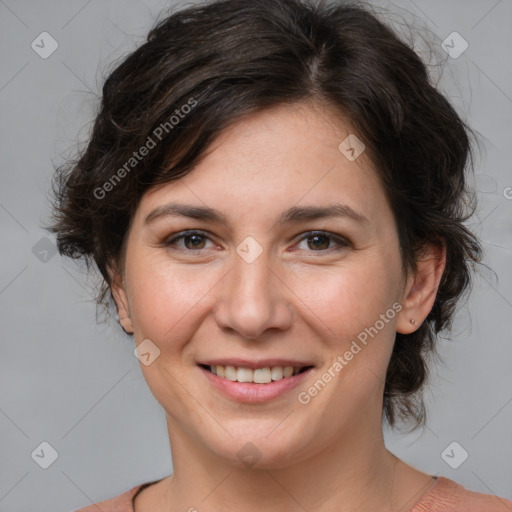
258,376
288,371
277,372
244,375
229,373
262,376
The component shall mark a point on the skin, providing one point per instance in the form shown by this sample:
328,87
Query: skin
295,301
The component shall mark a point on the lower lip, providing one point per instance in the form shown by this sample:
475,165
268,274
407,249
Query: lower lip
249,392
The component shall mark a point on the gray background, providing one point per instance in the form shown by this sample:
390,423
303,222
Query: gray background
77,385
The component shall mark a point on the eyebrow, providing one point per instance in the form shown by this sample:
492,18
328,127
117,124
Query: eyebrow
293,214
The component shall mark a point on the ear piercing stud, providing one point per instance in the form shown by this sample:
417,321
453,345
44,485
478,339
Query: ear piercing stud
413,322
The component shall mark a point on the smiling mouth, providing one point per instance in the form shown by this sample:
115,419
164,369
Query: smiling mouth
258,376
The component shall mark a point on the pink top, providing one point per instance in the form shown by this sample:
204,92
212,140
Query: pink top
444,495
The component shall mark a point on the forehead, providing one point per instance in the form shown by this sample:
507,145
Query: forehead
271,160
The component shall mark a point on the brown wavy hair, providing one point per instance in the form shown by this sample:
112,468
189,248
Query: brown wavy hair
229,58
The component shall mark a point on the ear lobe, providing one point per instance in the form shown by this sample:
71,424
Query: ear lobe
121,300
421,289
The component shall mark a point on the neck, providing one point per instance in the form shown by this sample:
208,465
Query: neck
356,471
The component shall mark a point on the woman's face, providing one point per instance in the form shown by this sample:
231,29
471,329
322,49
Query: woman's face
260,289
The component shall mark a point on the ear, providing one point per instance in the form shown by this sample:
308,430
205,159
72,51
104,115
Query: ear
118,290
421,288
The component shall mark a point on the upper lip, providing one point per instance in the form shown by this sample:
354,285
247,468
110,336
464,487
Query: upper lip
262,363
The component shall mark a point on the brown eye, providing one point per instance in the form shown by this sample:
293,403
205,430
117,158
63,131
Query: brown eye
196,241
192,240
321,241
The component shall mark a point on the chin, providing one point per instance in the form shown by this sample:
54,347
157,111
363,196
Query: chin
273,448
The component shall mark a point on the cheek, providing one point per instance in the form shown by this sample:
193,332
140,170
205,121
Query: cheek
345,300
353,311
168,301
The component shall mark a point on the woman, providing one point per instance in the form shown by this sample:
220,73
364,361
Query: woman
274,194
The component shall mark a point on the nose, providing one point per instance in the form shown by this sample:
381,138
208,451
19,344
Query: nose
254,298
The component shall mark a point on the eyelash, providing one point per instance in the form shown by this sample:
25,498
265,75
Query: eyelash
342,243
